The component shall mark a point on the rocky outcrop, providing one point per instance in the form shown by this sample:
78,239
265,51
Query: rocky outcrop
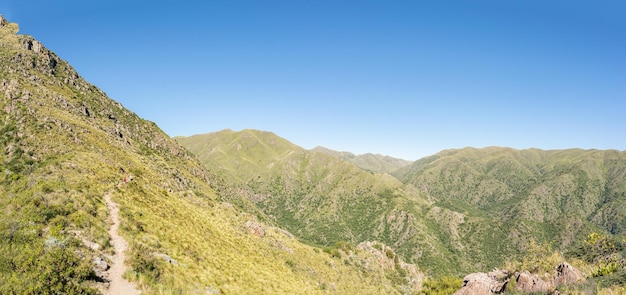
475,286
495,282
528,282
567,274
484,283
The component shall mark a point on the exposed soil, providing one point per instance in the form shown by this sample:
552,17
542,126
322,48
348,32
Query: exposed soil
117,284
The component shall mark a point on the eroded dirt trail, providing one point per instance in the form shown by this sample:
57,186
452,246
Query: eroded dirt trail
118,285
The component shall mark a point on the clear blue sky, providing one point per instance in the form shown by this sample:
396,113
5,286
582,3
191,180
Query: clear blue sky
403,78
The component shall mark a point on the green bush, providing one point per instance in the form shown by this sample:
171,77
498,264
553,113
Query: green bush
52,269
605,269
443,285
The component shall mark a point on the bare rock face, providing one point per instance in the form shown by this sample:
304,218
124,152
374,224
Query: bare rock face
483,284
528,282
567,274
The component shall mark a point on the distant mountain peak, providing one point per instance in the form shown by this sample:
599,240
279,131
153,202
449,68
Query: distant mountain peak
369,161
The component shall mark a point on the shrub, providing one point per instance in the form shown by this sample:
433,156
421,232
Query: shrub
605,269
539,258
442,285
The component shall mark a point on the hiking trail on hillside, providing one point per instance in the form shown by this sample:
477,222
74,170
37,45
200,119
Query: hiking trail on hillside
118,285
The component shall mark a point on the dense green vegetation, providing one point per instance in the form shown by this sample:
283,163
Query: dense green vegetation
562,195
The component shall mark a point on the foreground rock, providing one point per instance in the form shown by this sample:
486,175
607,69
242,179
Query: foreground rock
495,282
484,283
567,274
527,282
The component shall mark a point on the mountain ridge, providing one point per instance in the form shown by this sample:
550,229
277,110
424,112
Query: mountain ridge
376,163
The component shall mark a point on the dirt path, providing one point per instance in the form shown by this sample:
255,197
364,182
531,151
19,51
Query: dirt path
118,285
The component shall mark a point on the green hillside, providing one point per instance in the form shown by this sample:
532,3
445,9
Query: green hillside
454,212
556,197
323,199
579,189
65,145
318,197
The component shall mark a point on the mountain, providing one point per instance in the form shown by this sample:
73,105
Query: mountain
538,207
453,212
559,194
323,199
318,197
65,146
370,162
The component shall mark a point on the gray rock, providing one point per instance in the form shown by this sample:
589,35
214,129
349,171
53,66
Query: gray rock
52,242
476,284
484,284
567,274
530,283
100,265
166,258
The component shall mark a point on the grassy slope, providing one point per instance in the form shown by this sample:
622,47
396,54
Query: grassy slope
65,144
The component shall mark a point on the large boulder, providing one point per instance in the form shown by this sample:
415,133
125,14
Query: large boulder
483,284
528,282
567,274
